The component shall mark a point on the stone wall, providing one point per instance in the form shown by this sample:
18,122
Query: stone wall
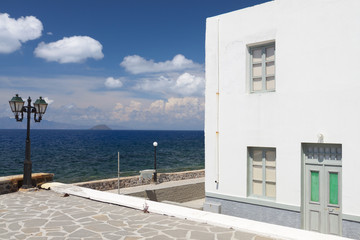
112,183
12,183
179,194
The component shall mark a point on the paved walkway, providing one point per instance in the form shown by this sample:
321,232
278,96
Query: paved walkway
45,214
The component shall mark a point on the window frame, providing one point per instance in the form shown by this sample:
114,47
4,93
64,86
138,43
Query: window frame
263,63
250,173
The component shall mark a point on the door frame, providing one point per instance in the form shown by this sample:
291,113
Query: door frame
303,181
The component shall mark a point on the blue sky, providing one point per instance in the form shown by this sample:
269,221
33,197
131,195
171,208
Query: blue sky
137,64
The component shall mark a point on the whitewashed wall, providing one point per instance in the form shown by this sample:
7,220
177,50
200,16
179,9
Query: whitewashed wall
317,91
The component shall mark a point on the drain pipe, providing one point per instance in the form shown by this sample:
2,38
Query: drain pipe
217,155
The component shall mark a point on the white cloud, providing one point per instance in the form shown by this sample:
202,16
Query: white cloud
70,50
188,84
13,32
113,83
48,100
132,112
160,111
136,64
185,84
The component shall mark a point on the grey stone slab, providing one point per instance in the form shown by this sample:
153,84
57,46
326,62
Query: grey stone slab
82,214
53,224
101,217
193,227
71,228
117,223
8,235
150,234
111,237
160,237
219,229
20,236
201,235
35,222
244,236
30,230
146,230
263,238
82,233
101,227
131,238
62,218
224,236
57,238
158,227
56,234
177,233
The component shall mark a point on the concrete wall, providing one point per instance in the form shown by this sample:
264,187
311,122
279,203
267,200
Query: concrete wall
12,183
317,91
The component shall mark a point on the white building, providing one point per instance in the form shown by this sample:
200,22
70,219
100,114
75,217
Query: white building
283,146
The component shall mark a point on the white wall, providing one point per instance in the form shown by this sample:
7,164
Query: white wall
317,91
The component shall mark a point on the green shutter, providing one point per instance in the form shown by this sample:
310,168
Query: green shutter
333,188
314,186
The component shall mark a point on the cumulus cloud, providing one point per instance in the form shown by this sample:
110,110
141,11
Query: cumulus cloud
131,112
14,32
136,64
186,84
186,108
74,49
48,100
113,83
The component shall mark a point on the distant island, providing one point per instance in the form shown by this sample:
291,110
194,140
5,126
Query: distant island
100,127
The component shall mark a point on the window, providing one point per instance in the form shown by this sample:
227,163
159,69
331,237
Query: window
262,172
262,68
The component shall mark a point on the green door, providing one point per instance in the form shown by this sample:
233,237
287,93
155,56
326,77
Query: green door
322,188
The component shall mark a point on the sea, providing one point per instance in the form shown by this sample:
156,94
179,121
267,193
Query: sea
84,155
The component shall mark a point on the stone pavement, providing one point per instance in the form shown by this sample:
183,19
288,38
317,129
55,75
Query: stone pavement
44,214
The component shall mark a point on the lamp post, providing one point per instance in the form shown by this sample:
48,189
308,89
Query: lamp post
18,108
155,173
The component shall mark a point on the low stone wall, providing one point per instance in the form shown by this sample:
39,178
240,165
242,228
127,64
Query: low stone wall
179,194
12,183
112,183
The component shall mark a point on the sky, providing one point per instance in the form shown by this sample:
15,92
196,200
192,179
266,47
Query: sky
135,64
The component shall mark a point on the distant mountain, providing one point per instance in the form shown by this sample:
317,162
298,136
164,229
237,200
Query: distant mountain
10,123
100,127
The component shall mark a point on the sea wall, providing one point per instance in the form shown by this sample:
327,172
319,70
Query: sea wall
133,181
12,183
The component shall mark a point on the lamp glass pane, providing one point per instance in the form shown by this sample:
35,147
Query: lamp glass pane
12,106
18,106
43,108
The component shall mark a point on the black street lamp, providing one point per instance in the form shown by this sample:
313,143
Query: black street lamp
155,173
18,108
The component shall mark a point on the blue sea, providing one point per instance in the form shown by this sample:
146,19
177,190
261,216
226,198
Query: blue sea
84,155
